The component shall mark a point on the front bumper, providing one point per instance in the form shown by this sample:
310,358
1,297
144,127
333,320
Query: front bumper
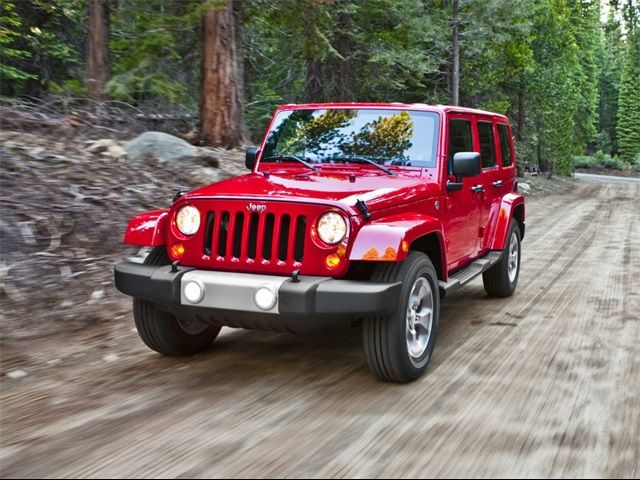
227,292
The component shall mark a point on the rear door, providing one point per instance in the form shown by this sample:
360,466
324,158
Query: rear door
491,179
463,207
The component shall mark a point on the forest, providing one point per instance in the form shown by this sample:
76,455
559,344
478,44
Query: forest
566,72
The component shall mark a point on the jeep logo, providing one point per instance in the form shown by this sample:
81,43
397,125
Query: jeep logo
252,207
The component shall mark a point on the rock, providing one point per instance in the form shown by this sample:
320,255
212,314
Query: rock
167,147
115,151
97,295
102,145
16,374
524,187
36,153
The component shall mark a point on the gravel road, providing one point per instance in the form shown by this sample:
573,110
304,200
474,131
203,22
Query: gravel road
543,384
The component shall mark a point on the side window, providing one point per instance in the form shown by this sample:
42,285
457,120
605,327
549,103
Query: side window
460,139
505,145
487,144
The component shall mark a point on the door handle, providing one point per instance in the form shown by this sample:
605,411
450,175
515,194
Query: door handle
477,188
497,183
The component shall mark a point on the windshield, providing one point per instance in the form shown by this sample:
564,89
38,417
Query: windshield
387,137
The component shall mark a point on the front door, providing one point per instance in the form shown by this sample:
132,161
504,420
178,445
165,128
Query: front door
463,207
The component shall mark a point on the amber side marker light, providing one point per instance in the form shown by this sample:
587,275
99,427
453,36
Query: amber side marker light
332,260
405,246
177,250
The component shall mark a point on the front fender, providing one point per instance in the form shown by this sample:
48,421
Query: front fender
510,203
147,229
382,240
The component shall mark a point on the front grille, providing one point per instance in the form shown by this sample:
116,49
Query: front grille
255,236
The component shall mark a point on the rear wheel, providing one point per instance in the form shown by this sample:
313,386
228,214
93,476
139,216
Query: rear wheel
501,279
165,333
398,345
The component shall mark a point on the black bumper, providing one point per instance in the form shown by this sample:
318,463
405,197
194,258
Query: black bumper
321,296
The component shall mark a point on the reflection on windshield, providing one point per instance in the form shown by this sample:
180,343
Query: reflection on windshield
389,137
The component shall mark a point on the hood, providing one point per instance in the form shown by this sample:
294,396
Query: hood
342,189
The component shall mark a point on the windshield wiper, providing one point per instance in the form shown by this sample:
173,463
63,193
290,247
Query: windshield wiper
366,160
284,158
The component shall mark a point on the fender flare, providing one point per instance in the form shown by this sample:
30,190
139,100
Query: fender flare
382,240
512,204
147,229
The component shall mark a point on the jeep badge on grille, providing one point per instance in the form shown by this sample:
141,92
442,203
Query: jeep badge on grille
252,207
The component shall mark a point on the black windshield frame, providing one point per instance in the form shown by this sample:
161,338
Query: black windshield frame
387,136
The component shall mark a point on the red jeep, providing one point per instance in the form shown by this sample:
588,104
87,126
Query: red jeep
351,212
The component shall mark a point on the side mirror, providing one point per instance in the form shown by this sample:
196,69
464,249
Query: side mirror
467,164
250,157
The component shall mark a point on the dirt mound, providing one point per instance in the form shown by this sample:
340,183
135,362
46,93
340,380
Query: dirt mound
64,211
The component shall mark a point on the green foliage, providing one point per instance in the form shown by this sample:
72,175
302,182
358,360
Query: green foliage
568,82
599,160
628,127
154,51
40,42
10,26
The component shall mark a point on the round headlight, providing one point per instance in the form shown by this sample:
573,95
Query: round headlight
188,220
332,228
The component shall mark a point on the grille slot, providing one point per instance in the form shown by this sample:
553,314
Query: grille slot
237,235
208,233
285,223
233,235
223,233
267,240
301,230
253,235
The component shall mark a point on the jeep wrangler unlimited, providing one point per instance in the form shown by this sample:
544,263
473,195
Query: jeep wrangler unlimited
352,213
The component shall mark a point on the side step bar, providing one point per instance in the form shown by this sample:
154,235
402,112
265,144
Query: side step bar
468,273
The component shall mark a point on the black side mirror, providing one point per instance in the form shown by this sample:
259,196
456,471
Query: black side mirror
250,157
467,164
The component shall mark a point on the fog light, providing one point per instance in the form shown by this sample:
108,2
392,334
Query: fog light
193,291
265,298
177,250
332,260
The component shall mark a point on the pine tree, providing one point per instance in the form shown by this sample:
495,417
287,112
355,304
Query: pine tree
628,127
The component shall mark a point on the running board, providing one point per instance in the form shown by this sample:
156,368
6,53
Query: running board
468,273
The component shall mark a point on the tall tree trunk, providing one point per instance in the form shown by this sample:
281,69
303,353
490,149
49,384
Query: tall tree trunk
98,51
455,76
221,115
315,90
520,114
344,46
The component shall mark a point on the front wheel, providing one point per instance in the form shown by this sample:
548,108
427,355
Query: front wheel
399,345
165,333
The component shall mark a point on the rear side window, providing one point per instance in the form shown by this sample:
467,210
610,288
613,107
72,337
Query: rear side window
487,144
505,145
460,139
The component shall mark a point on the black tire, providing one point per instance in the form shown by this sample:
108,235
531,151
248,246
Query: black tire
497,282
163,332
385,337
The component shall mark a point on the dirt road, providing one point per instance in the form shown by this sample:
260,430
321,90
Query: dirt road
546,383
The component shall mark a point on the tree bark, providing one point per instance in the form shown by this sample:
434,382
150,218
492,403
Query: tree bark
221,115
344,46
98,50
455,76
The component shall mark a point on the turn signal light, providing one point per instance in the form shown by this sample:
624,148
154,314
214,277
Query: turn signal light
404,246
177,250
332,260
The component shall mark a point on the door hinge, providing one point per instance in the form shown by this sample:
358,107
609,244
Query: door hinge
481,232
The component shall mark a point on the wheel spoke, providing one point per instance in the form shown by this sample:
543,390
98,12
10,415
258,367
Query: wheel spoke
423,318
